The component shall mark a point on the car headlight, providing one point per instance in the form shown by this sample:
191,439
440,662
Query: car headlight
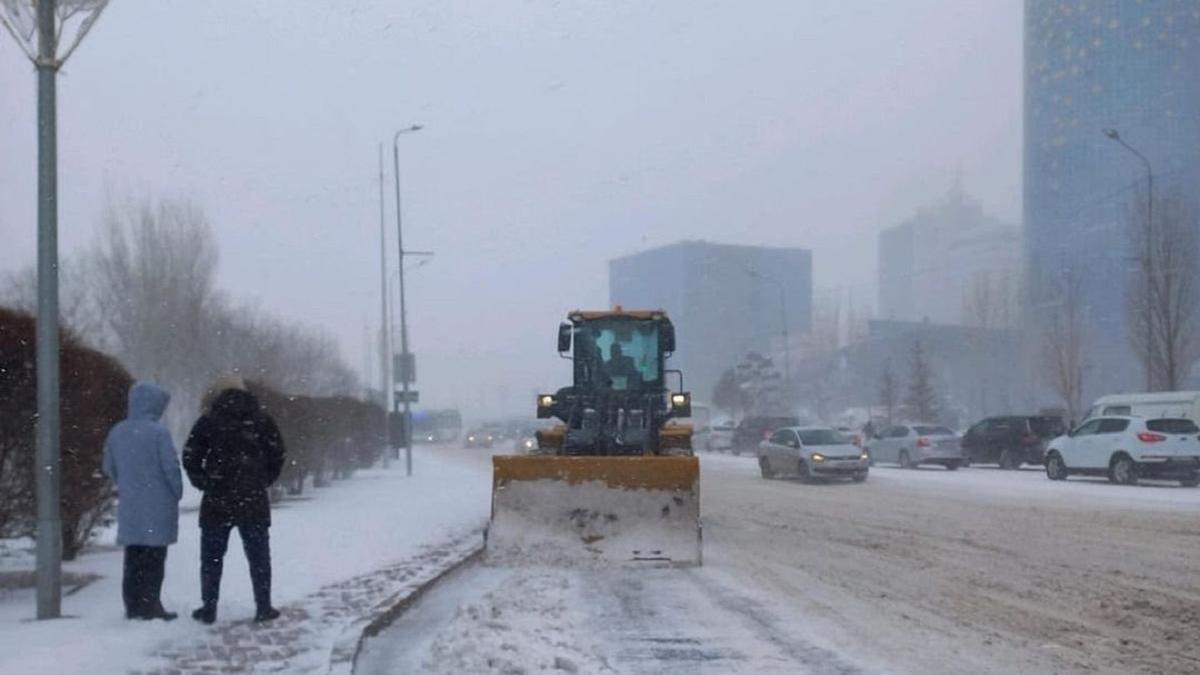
471,438
818,457
864,457
529,444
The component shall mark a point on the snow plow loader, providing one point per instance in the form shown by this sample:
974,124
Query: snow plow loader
615,480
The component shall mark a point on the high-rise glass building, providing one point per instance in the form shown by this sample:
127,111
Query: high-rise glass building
1090,65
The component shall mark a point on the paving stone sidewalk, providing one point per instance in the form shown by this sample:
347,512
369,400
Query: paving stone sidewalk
317,634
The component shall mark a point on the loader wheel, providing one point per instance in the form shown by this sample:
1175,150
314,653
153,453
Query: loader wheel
765,467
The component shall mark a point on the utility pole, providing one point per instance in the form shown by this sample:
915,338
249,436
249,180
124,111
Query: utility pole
406,360
385,345
45,31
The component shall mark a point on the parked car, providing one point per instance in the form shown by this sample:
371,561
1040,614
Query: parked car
1128,448
720,438
811,452
911,445
753,430
1011,441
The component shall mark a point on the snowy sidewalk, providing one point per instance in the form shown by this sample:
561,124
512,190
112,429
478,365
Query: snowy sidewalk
338,554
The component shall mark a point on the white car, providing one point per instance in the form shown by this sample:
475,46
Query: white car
911,445
811,452
1128,448
720,436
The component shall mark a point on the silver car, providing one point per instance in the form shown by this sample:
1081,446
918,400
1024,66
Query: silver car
811,452
911,445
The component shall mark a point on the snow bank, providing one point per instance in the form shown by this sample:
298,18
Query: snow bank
377,518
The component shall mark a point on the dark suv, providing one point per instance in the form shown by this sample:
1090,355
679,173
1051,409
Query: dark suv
754,430
1011,441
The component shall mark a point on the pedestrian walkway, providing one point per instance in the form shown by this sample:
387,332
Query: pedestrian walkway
316,631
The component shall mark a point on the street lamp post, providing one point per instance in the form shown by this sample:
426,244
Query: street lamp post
405,357
787,346
39,28
385,346
1115,136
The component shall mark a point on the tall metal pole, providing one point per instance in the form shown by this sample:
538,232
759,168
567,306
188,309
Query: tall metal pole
1147,261
49,530
385,345
787,347
405,358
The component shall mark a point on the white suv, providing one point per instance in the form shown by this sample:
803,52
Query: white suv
1127,448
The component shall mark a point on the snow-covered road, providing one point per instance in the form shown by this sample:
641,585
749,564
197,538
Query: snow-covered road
923,571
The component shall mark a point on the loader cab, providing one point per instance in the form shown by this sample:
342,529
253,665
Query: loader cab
619,351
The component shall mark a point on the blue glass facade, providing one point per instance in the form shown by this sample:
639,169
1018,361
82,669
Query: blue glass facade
1129,65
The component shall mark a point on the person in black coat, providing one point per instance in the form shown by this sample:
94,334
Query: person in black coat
233,454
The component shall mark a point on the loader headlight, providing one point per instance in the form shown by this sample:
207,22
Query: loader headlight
681,404
545,406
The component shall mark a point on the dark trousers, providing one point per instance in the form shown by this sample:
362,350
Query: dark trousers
143,579
256,542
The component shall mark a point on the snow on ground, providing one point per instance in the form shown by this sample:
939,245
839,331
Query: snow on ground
915,571
328,535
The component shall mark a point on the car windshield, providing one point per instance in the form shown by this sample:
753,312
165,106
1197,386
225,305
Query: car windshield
1172,426
822,437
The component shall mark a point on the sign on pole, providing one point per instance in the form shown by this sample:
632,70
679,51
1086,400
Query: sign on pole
404,366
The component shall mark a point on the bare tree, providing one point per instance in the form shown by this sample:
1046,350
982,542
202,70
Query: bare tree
1163,297
922,400
154,266
77,307
1064,341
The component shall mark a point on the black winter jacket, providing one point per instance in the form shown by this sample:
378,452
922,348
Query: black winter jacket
233,454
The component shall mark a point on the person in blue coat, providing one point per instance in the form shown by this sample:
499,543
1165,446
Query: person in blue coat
140,457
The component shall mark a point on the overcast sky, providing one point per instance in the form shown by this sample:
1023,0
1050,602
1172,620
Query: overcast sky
559,135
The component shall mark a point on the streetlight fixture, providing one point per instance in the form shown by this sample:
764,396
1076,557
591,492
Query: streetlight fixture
405,357
1115,136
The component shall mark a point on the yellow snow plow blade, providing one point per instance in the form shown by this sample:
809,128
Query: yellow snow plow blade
550,509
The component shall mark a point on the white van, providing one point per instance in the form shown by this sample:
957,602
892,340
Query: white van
1154,404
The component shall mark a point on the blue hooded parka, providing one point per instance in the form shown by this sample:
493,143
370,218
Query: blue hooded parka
140,458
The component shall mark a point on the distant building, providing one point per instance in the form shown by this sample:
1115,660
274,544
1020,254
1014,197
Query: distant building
950,264
1129,66
724,300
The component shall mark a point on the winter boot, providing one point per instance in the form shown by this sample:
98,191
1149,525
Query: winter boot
265,614
206,614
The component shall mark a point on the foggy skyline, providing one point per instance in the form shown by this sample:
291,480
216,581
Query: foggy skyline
557,137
